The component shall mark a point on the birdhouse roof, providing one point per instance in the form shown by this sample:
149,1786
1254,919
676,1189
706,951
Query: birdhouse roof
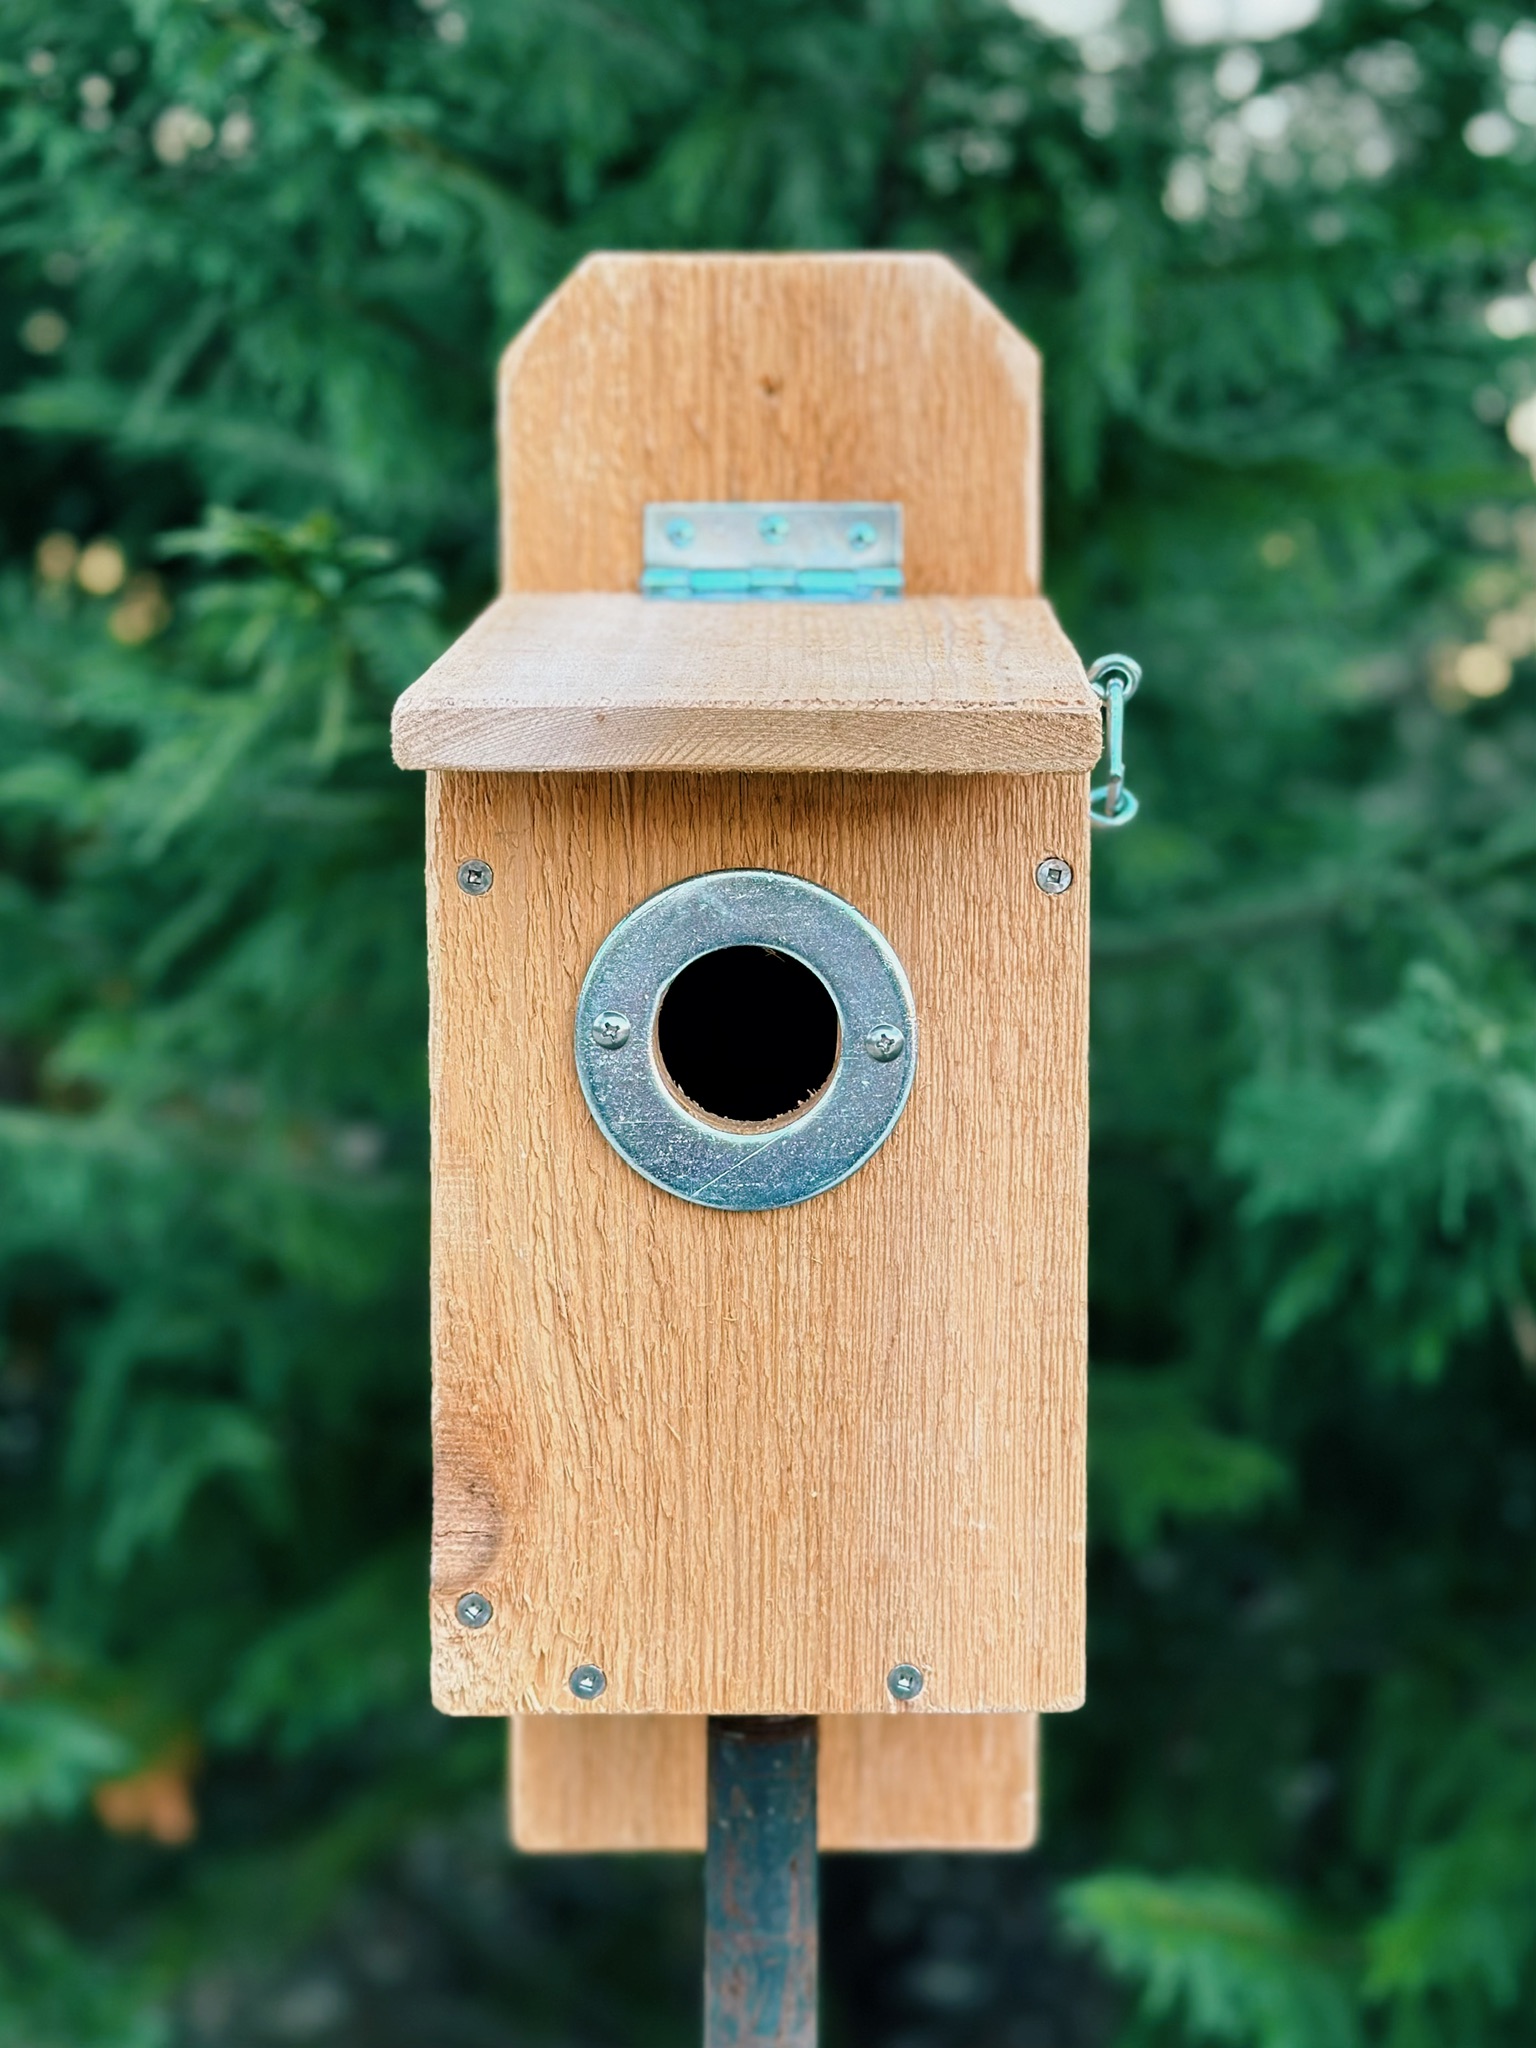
609,680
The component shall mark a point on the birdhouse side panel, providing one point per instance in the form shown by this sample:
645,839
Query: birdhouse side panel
749,1462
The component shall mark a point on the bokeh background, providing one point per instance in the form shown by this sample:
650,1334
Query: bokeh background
258,258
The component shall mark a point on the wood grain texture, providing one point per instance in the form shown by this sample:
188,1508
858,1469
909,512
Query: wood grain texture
747,377
747,1462
929,1781
886,1782
608,680
615,1782
648,378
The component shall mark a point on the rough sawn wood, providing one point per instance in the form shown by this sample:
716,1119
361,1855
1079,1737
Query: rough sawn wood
607,680
750,377
657,378
885,1782
748,1462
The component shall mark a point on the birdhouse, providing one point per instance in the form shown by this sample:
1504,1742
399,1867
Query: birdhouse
757,882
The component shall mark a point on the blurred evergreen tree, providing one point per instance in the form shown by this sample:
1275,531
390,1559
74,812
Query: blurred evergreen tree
258,257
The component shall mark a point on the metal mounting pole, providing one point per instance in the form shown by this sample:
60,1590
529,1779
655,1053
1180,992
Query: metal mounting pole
760,1885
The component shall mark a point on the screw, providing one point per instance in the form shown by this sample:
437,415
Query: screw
774,528
885,1042
589,1683
610,1030
1054,875
680,532
475,877
861,536
473,1609
905,1682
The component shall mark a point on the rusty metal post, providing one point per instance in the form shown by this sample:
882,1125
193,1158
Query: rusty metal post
760,1885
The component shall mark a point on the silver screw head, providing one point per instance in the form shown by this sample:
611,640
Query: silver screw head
473,1609
475,877
1054,875
861,536
588,1682
680,532
885,1042
610,1030
774,528
904,1682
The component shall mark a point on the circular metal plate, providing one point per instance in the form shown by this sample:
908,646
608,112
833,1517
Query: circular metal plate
766,1166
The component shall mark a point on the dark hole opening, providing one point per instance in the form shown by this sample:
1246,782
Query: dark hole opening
747,1035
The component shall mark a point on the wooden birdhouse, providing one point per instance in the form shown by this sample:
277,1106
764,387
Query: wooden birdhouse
757,876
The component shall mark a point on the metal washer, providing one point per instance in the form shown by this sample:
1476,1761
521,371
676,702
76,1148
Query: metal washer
653,1130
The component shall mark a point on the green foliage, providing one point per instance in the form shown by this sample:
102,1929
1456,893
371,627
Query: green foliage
1231,1961
258,259
55,1995
1460,1913
1156,1457
1417,1151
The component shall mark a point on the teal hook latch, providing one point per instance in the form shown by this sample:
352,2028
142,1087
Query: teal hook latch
1113,679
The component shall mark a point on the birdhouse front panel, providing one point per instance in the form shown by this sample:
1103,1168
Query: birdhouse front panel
766,1458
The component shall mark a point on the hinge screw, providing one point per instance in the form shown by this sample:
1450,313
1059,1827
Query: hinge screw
473,1609
1054,875
680,532
861,536
774,528
588,1682
885,1042
610,1030
905,1682
475,877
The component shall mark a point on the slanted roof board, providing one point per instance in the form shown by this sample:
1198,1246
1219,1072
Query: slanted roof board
608,680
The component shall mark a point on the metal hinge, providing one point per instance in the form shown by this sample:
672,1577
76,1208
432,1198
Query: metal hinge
830,552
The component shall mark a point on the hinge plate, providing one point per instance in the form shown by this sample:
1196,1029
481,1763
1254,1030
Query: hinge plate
831,552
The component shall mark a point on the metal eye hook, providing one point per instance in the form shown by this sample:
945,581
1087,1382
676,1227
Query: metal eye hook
1114,679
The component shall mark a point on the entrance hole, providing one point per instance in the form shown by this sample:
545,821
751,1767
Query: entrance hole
747,1035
